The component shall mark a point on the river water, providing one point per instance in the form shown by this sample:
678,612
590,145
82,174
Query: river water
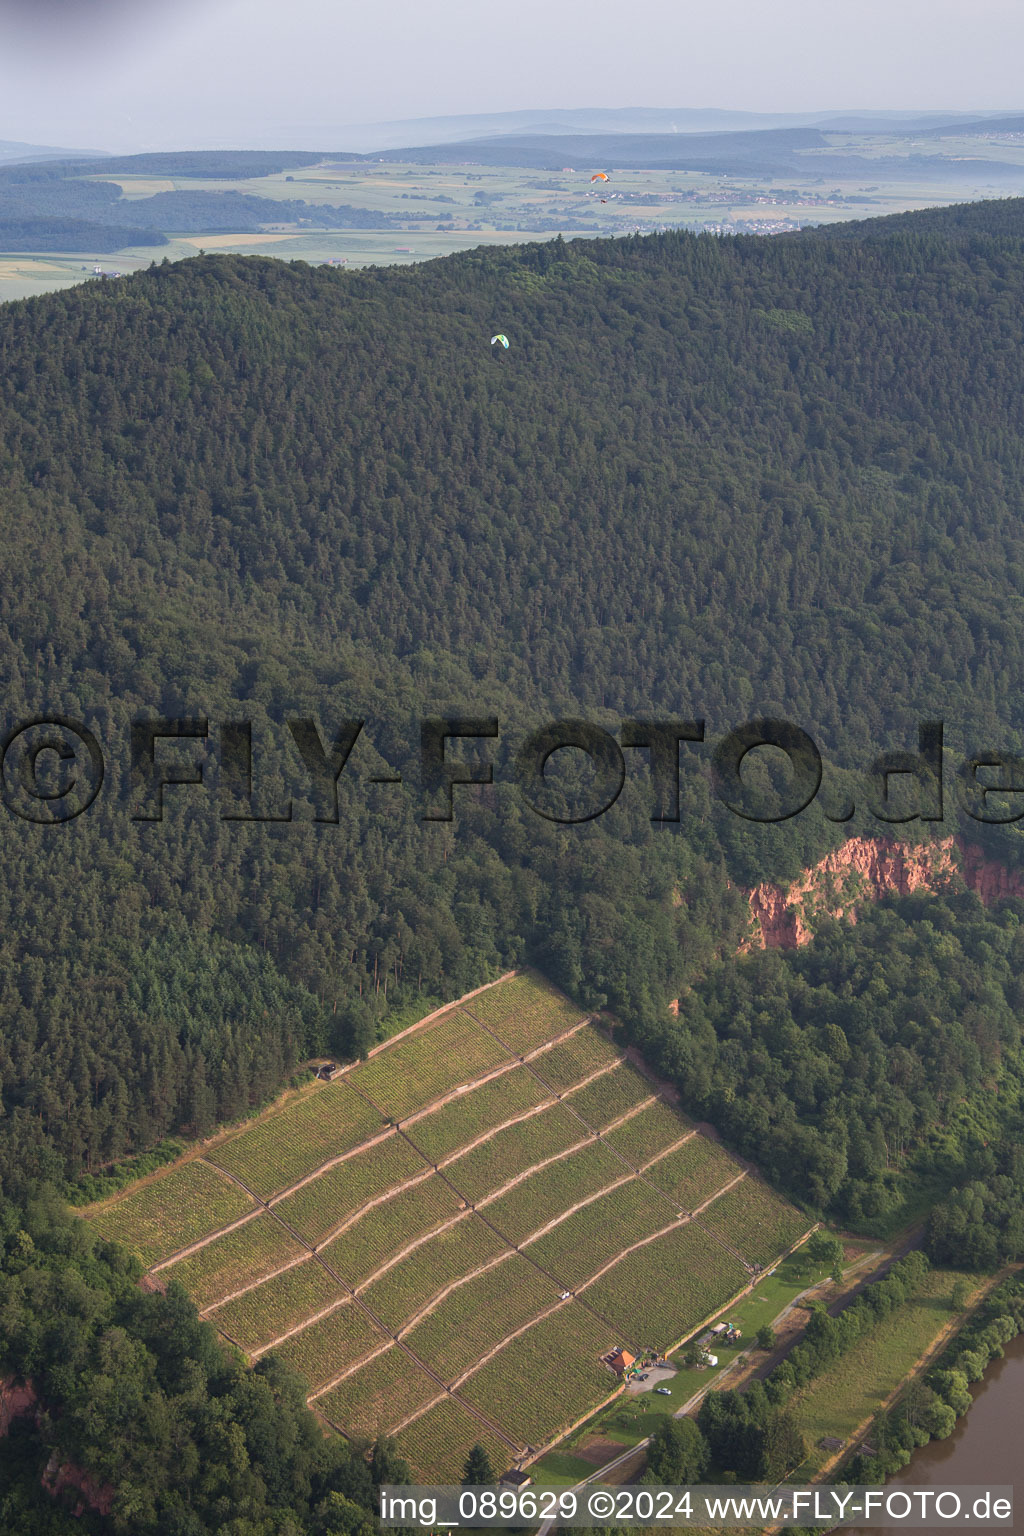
987,1446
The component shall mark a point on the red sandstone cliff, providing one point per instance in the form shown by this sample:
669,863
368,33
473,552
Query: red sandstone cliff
864,869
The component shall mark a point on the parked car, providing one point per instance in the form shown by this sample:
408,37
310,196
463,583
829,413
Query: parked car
663,1391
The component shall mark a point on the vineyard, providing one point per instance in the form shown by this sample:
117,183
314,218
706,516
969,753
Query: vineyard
610,1096
278,1305
403,1290
524,1012
330,1345
657,1293
462,1120
470,1319
437,1443
238,1258
542,1196
692,1172
753,1220
154,1220
436,1264
513,1150
648,1134
325,1202
414,1071
283,1148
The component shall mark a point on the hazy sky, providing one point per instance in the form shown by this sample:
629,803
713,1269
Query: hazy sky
110,74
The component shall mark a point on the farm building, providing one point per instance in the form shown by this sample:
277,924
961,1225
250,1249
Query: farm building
514,1478
620,1361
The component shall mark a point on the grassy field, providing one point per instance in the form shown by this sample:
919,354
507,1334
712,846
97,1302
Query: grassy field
327,1347
646,1135
437,1443
277,1305
513,1150
473,1318
400,1293
235,1259
379,1394
570,1061
658,1293
321,1205
171,1211
609,1096
283,1147
412,1072
851,1391
386,1229
692,1172
462,1120
578,1247
752,1219
544,1379
542,1196
524,1012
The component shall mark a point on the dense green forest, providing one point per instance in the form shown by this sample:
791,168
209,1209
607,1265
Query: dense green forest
177,1435
709,480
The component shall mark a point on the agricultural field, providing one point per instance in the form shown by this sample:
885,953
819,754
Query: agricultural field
283,1147
570,1061
610,1096
692,1172
460,1121
174,1209
237,1258
400,1293
588,1239
475,1316
330,1345
513,1150
325,1202
278,1305
387,1228
544,1195
660,1292
752,1219
437,1443
379,1394
524,1012
648,1134
546,1378
414,1071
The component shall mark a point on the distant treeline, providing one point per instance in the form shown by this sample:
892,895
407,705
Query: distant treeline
28,234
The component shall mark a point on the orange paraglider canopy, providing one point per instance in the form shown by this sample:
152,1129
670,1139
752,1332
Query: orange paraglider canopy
600,176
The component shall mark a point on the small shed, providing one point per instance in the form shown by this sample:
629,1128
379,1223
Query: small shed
514,1478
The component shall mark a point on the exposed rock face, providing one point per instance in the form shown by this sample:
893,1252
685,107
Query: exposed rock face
93,1495
864,869
16,1399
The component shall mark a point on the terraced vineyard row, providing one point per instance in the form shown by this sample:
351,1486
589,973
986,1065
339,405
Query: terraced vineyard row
754,1221
657,1293
234,1259
513,1150
462,1120
647,1134
283,1148
278,1305
614,1093
437,1443
379,1395
408,1075
388,1228
544,1195
402,1290
570,1061
692,1172
524,1011
472,1318
326,1201
575,1249
155,1219
544,1379
330,1345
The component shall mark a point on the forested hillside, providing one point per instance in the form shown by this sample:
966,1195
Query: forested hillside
708,479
